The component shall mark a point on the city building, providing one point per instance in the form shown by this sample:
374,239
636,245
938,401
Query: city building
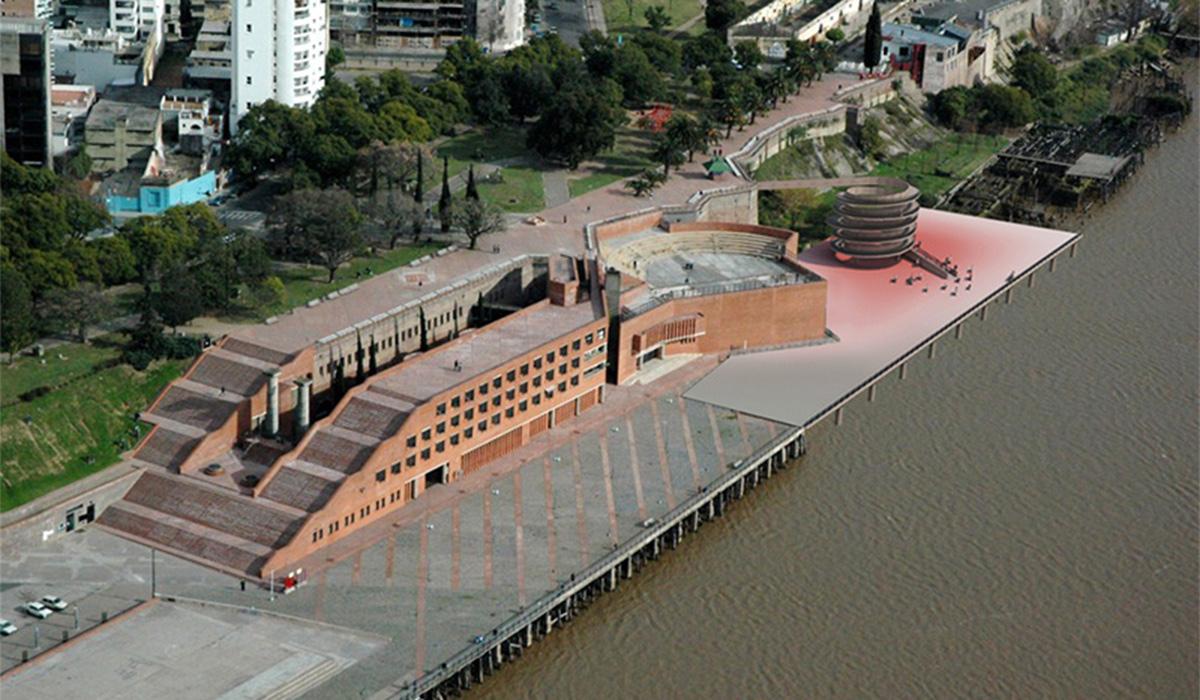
28,9
279,51
944,56
69,107
413,35
210,64
101,57
288,437
26,72
120,134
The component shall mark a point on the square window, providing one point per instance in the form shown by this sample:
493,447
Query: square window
510,394
550,356
411,461
411,441
495,419
441,409
562,386
425,453
483,389
575,363
454,421
524,405
482,426
496,401
537,399
469,414
537,381
508,412
562,352
396,468
470,395
562,369
496,382
511,376
380,475
589,338
454,439
454,402
441,428
441,446
537,363
426,434
525,369
468,433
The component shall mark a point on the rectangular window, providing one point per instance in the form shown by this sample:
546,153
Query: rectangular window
483,389
495,419
525,369
562,386
550,376
511,376
380,475
550,356
469,414
562,369
454,402
537,363
411,441
396,468
537,381
508,412
468,433
524,387
496,401
575,380
524,405
441,446
940,56
482,426
425,453
441,428
411,461
469,396
594,369
483,407
589,338
454,421
426,434
575,345
600,334
510,394
496,382
441,409
574,363
454,439
537,399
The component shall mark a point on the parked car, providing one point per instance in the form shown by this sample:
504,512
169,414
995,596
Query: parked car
54,603
6,628
36,609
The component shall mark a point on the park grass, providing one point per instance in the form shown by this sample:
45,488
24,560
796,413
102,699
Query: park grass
630,156
63,363
517,189
618,20
76,430
936,169
303,283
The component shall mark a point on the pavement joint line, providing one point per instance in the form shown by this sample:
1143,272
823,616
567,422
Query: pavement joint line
422,576
487,539
519,536
577,470
663,462
687,441
613,536
637,474
551,534
390,561
717,442
455,547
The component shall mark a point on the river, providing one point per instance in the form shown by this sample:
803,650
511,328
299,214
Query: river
1017,519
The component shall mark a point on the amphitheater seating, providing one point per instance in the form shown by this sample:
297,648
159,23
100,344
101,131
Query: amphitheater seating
223,511
725,242
175,534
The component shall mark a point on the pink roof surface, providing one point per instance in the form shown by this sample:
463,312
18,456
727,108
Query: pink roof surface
879,322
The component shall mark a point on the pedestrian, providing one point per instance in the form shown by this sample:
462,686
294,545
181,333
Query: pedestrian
564,218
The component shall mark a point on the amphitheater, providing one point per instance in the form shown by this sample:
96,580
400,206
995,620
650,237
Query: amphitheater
696,255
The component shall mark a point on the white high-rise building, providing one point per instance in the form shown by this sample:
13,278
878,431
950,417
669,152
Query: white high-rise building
137,20
278,53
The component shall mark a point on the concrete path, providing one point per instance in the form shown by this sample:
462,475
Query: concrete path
554,187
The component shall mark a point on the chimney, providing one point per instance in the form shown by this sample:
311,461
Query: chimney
271,425
303,395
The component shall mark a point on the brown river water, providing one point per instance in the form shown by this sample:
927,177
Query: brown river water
1018,518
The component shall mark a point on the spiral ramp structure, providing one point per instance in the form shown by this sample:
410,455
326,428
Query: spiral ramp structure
876,219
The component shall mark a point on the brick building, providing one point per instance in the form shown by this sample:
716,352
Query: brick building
277,443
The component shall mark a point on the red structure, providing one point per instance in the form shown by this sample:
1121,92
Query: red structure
657,117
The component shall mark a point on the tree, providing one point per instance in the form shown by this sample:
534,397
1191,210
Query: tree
873,40
645,183
318,225
640,81
179,299
76,309
1034,73
445,202
472,191
748,56
687,133
16,301
668,150
708,49
268,292
580,122
657,18
835,35
386,164
1004,106
869,138
719,15
479,218
393,216
116,260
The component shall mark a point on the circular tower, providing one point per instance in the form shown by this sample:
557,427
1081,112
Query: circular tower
876,220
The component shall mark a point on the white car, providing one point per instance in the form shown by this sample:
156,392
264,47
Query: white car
37,610
6,628
54,603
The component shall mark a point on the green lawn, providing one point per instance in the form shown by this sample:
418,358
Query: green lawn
630,157
304,283
619,20
62,363
483,145
516,189
76,430
938,168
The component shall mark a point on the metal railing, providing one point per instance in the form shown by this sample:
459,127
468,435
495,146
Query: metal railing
665,294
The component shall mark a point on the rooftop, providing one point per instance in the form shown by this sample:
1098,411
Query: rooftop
906,33
107,114
421,378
